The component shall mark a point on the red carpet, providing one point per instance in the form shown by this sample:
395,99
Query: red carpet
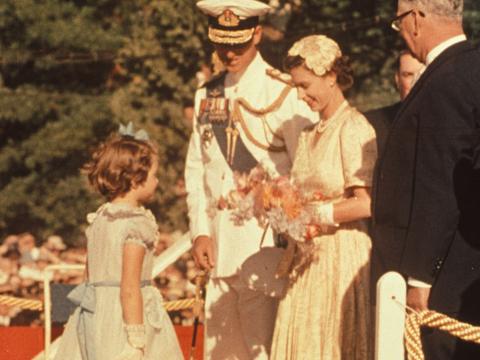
23,343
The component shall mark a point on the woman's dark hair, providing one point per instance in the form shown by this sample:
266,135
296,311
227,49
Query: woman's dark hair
341,67
291,62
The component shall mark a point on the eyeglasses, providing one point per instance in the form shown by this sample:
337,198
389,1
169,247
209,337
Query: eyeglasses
396,22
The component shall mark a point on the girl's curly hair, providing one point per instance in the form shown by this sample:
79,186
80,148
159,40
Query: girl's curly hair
119,163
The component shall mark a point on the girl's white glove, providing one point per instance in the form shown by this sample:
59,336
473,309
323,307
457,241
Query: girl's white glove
130,353
136,335
136,340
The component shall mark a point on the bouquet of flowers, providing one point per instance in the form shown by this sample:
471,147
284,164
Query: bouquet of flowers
274,201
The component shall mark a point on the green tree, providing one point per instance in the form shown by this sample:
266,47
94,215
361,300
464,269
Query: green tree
72,70
158,64
56,59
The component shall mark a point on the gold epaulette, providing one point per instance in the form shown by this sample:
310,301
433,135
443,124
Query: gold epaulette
283,77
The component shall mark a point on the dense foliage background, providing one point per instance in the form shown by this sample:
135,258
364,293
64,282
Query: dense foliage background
71,70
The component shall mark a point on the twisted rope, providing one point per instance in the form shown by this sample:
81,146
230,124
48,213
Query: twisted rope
179,304
37,305
432,319
24,304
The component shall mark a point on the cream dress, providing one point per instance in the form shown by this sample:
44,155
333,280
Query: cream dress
325,312
110,228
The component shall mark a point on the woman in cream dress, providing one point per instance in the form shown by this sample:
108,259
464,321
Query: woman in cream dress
325,311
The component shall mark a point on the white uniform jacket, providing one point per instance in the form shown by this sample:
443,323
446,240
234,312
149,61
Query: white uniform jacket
208,176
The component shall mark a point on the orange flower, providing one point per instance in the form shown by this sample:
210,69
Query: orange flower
259,200
222,203
276,195
291,205
318,196
312,232
234,198
266,196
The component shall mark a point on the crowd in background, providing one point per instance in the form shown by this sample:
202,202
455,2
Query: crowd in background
23,260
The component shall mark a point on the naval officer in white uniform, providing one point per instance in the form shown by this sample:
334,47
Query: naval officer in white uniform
245,116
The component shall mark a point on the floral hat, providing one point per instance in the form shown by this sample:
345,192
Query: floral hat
318,51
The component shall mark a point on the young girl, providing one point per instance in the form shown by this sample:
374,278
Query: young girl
120,314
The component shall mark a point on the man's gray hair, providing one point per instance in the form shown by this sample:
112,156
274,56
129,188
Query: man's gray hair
452,9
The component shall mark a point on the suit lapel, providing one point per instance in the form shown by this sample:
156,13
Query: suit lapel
443,58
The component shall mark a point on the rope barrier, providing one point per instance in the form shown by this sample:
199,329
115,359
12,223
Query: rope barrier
24,304
415,320
432,319
37,305
180,304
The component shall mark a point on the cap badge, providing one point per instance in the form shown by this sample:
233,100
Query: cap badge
228,19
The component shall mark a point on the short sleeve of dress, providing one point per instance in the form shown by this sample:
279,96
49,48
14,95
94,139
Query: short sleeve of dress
358,151
141,231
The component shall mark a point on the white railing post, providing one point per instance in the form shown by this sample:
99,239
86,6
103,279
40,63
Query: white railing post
390,317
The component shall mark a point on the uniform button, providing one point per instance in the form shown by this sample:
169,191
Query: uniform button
473,268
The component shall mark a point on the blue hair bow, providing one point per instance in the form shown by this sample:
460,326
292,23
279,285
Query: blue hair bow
128,130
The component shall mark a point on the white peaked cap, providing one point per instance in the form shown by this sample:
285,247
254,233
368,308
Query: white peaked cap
241,8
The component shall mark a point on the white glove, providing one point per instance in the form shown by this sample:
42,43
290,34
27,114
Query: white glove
135,345
136,335
130,353
323,215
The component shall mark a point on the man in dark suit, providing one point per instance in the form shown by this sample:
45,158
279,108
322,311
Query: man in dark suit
408,71
426,198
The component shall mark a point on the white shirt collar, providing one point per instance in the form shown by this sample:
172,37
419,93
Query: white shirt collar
437,50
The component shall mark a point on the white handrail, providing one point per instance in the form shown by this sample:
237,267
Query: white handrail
171,254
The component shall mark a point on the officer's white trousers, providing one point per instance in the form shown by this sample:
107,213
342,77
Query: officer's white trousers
239,321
